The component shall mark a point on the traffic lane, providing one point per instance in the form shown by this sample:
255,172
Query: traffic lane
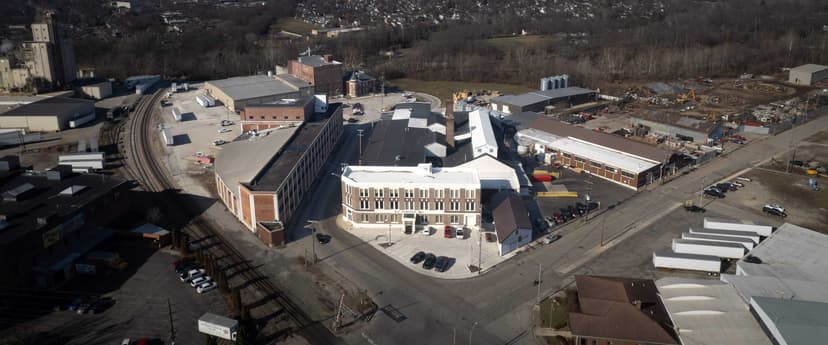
427,302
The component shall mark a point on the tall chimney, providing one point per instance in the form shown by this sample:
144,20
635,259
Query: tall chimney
450,125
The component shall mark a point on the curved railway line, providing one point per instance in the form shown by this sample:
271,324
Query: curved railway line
143,167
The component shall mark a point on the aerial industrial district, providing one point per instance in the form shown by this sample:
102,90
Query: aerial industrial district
308,204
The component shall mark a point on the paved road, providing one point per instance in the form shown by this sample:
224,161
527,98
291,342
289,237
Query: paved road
500,300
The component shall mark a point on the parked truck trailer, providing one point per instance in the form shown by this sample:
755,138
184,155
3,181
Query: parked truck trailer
176,114
692,262
746,242
737,225
218,326
720,249
730,233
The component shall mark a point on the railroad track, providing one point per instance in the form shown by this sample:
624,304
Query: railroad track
142,166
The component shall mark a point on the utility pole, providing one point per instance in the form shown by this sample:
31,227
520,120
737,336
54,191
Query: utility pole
537,301
479,251
472,332
359,134
172,328
603,228
338,321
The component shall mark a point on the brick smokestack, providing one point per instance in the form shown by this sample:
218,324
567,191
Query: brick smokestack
450,125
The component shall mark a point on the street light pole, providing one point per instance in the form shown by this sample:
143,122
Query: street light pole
359,134
472,332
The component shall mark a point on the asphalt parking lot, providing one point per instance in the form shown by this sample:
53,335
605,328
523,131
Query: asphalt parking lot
601,191
140,308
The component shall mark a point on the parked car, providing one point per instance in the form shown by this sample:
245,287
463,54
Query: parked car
727,186
75,304
226,123
459,233
592,206
187,267
418,258
550,221
713,192
428,231
200,280
442,263
551,238
224,130
694,209
191,274
580,209
774,212
206,287
744,179
777,207
352,120
448,232
126,341
219,142
565,214
737,184
557,218
798,163
573,211
429,261
323,238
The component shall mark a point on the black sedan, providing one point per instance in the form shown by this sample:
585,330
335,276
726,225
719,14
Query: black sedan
714,192
418,258
429,262
442,264
694,209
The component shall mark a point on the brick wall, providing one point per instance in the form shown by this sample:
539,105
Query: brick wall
264,117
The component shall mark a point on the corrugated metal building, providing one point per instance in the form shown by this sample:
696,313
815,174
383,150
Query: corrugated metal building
807,74
237,92
47,115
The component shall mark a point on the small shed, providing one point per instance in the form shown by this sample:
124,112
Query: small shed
160,236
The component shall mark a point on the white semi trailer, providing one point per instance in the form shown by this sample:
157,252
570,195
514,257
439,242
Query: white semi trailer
746,242
218,326
176,114
740,234
692,262
737,225
720,249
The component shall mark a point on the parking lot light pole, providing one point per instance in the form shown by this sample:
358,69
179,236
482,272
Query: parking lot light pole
472,332
537,301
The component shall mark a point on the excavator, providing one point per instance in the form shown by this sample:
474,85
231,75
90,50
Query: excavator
689,96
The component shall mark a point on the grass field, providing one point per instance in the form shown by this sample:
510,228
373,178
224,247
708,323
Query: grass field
295,25
509,43
443,89
553,313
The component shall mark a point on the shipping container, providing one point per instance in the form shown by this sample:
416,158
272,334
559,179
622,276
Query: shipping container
692,262
169,140
218,326
720,249
737,225
730,233
81,156
75,123
746,242
176,114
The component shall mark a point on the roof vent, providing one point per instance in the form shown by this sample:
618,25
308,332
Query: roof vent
72,190
59,172
19,192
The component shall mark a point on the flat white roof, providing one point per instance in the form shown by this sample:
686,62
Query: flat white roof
709,312
482,132
809,68
791,263
240,161
606,156
410,177
793,322
493,173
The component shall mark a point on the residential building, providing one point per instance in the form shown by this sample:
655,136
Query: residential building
610,310
263,179
359,83
238,92
807,74
709,312
681,127
50,219
49,114
404,197
511,221
538,101
323,72
285,112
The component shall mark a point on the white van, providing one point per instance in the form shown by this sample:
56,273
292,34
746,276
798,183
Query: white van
428,231
460,233
200,280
